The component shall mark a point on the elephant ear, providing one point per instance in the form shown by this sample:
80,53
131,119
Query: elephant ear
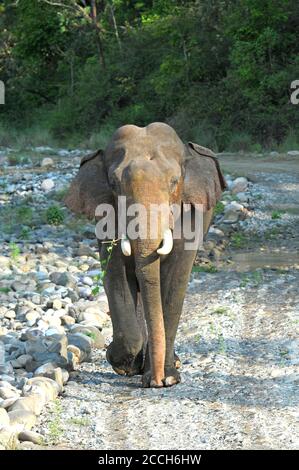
203,181
90,187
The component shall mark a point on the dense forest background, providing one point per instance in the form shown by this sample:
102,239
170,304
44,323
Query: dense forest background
218,71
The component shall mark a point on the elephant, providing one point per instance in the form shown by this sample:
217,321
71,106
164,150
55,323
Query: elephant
148,165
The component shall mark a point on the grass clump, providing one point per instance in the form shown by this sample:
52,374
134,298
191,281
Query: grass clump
54,215
238,240
219,208
276,215
205,269
14,251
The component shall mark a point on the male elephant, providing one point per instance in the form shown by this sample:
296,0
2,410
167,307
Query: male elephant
148,165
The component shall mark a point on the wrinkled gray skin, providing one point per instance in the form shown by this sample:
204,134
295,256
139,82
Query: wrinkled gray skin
147,165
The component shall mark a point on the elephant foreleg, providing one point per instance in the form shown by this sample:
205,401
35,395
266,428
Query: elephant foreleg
175,275
125,353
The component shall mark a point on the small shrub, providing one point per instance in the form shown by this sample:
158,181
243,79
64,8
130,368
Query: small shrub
204,269
240,142
219,208
25,233
59,195
4,290
238,240
14,251
24,214
54,215
276,215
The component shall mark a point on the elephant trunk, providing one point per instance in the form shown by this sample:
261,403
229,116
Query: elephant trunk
148,275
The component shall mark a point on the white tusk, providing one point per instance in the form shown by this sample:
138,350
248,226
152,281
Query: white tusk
167,243
125,246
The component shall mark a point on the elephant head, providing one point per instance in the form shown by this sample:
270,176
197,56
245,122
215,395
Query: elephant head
149,165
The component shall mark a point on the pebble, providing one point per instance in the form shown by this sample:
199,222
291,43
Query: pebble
4,417
47,161
239,185
47,185
30,436
22,419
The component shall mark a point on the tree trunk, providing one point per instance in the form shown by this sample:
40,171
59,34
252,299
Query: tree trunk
94,17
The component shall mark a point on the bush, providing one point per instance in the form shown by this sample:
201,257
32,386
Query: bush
240,142
54,215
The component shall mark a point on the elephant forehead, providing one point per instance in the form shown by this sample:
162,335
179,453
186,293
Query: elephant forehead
156,141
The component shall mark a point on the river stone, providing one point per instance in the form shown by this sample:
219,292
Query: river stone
4,418
30,436
231,217
21,419
67,320
63,279
74,350
47,349
5,261
82,342
21,361
8,402
87,281
7,392
243,197
32,317
8,438
233,206
33,403
10,314
57,304
52,372
47,161
45,387
47,185
293,153
98,340
84,250
239,185
94,318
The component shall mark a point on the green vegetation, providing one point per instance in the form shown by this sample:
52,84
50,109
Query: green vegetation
104,263
24,215
205,269
59,195
239,240
253,279
90,334
219,71
4,290
221,310
79,421
55,425
54,215
219,208
276,215
14,251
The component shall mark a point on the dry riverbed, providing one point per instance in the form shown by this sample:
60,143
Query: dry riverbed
237,340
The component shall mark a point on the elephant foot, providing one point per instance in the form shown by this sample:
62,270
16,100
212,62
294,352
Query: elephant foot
148,382
126,364
171,378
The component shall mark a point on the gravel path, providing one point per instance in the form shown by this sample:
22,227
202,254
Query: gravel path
238,343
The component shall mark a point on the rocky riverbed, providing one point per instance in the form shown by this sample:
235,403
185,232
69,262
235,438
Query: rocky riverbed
238,337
